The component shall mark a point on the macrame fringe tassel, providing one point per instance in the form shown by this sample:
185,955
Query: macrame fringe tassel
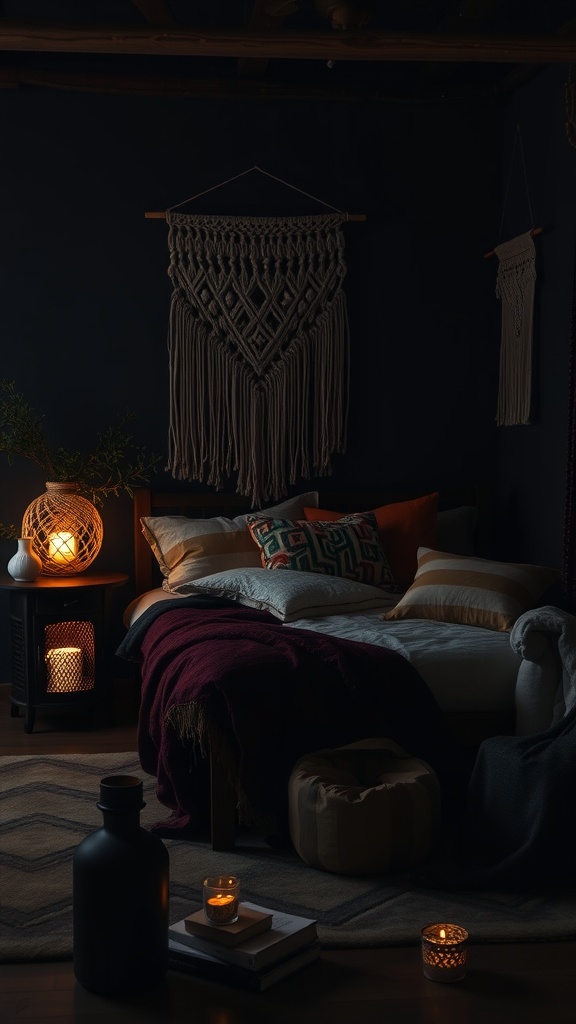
516,286
293,416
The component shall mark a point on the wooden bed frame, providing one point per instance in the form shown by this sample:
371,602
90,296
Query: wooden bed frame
204,505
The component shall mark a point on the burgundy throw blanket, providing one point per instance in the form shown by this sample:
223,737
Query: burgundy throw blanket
236,679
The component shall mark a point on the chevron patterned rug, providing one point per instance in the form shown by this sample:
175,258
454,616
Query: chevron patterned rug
48,805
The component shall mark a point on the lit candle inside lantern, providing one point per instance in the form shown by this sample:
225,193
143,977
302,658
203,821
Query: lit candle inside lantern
444,951
62,547
65,666
221,899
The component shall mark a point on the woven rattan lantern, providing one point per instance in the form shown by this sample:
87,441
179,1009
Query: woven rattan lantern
66,529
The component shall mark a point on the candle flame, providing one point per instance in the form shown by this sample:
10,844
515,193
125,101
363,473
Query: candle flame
62,547
442,933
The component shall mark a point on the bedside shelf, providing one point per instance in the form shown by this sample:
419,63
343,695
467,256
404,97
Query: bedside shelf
58,630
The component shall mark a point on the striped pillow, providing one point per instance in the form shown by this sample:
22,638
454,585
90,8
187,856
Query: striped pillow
189,549
349,548
472,591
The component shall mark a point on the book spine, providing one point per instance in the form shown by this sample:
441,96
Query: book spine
225,974
230,974
278,950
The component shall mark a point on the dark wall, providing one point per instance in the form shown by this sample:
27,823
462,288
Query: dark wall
533,457
85,291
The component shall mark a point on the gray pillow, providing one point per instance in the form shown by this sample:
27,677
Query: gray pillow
455,529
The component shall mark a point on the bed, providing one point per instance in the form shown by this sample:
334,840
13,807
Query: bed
354,643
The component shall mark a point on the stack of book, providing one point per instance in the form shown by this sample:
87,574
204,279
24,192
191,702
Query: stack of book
260,948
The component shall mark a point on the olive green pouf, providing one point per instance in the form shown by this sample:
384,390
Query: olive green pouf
365,808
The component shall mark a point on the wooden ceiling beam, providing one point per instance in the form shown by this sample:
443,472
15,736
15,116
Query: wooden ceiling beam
520,75
39,37
469,16
261,20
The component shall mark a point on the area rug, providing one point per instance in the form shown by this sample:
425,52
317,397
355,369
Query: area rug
48,805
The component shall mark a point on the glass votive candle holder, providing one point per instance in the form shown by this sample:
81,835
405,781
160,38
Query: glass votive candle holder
444,952
220,899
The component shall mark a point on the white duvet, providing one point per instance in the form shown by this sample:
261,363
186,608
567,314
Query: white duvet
467,668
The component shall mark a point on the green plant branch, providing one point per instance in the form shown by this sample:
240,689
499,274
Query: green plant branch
116,464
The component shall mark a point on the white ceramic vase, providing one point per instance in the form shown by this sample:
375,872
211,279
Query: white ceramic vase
25,566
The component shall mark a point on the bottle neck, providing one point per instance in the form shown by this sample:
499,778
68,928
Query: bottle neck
121,821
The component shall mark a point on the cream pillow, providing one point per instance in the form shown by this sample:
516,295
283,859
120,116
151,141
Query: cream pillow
472,591
187,549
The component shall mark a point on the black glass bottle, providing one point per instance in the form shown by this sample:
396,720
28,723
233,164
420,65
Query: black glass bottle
120,897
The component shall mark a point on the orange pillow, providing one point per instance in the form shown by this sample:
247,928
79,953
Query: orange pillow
404,526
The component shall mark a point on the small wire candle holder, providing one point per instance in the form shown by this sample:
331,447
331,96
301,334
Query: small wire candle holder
64,669
444,952
69,655
221,894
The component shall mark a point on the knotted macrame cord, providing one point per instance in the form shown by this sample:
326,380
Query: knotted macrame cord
515,286
258,343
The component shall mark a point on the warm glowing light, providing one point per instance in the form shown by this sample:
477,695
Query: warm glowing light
444,952
222,900
62,547
221,895
65,665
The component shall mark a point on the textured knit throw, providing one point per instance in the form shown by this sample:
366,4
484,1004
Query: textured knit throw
259,350
515,286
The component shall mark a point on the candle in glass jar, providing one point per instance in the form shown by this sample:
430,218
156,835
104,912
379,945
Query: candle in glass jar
62,547
444,952
220,896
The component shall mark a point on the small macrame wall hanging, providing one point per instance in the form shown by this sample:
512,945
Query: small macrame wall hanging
259,348
515,287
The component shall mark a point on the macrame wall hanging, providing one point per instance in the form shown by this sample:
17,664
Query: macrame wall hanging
515,287
259,349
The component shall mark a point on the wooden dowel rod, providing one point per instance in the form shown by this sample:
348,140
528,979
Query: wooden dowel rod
534,231
160,215
38,37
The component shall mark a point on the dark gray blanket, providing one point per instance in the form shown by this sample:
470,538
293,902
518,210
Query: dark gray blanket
518,827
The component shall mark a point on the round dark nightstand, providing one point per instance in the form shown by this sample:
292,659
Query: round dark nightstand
58,631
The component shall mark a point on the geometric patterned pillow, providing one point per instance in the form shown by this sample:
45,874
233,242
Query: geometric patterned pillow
349,548
404,526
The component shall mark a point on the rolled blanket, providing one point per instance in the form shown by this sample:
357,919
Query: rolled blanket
560,628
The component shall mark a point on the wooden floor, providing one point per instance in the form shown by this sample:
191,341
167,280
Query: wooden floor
531,983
